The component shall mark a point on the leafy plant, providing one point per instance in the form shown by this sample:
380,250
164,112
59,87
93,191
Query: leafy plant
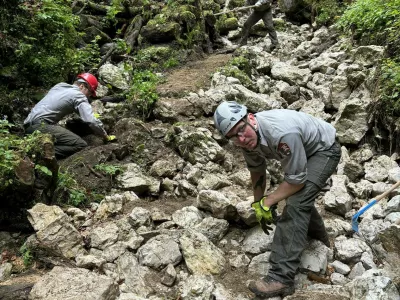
46,43
40,36
373,21
27,256
113,10
389,91
170,63
142,94
156,58
109,170
12,149
88,55
43,169
240,68
66,184
325,12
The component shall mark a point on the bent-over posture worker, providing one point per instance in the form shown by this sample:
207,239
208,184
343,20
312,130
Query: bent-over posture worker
309,154
262,11
64,99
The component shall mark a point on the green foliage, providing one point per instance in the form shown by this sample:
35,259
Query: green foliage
110,170
378,22
45,36
239,67
156,58
242,63
122,46
236,3
39,36
233,71
143,94
389,90
325,12
88,55
192,37
170,63
43,169
66,184
113,10
12,149
373,21
27,256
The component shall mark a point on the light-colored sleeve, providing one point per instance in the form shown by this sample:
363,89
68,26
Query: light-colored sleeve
86,113
293,158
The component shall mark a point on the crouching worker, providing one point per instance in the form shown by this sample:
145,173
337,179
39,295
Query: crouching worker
62,100
309,154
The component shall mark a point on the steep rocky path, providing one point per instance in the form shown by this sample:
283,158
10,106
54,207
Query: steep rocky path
192,76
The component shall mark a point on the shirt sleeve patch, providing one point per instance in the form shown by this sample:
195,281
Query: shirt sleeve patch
284,149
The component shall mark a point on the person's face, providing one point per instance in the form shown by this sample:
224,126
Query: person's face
243,135
85,90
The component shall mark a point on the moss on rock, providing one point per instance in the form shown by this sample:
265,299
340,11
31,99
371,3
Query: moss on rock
225,24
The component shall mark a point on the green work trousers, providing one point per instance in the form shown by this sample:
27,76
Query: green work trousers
266,16
300,217
66,142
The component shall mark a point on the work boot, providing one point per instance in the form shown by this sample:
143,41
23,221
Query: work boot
324,239
268,288
273,47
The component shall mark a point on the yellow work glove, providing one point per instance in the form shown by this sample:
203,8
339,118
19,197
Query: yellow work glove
97,116
265,215
111,138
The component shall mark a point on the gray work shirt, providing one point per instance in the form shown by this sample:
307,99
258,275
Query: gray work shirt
62,100
290,137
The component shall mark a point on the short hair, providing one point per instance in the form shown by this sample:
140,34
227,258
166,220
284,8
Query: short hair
81,81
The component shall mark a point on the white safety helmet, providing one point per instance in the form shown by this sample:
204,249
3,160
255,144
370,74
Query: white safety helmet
227,115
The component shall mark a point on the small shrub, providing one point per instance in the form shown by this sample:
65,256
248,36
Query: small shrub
12,149
389,91
325,12
69,188
142,94
373,21
27,256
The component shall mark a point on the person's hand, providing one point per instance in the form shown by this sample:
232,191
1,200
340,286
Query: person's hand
111,138
265,215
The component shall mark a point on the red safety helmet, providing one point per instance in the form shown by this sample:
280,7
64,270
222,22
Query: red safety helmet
91,80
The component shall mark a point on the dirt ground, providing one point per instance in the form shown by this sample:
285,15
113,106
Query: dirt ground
192,76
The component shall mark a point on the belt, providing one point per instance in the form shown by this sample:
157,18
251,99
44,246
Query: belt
36,122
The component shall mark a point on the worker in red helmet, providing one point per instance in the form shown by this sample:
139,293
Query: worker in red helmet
61,100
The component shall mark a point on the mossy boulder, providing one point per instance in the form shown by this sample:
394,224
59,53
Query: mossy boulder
279,24
211,5
295,10
161,33
234,71
237,3
186,15
224,25
157,53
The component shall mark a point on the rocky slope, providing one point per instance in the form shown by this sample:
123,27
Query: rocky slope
178,223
